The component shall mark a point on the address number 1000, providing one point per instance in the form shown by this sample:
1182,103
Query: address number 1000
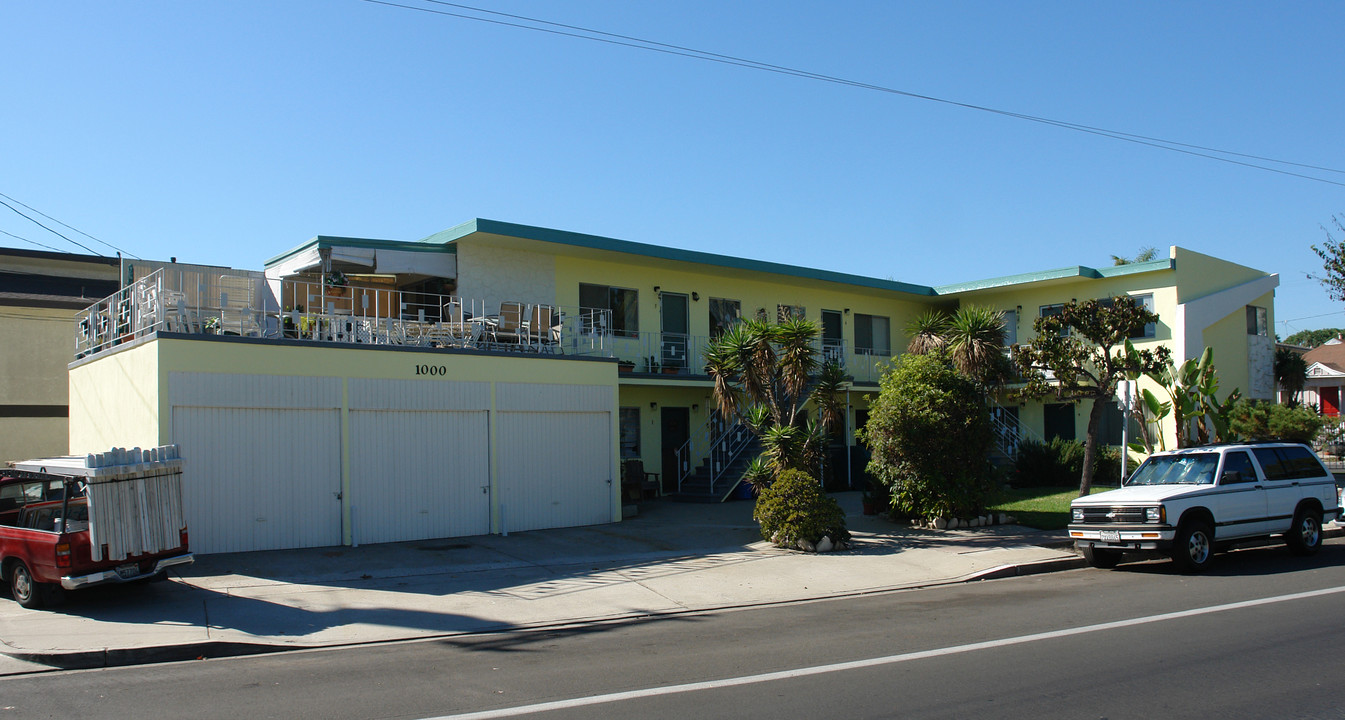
431,370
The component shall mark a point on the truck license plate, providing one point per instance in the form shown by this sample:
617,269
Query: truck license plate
1110,536
129,570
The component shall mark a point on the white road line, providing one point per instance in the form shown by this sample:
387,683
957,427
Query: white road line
874,662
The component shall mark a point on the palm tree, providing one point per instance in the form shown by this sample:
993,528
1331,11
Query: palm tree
927,332
761,375
973,337
975,341
1291,373
1145,255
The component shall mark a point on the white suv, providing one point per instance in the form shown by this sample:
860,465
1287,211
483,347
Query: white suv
1189,502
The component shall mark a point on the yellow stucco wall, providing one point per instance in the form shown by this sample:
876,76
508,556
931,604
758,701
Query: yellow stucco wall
1199,275
115,401
754,290
39,344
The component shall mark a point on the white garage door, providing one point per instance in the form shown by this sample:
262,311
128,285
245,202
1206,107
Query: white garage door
555,469
419,474
260,478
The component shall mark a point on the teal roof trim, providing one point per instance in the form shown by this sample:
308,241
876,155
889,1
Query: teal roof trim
323,241
595,242
1077,271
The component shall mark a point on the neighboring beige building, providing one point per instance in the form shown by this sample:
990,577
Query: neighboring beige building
40,295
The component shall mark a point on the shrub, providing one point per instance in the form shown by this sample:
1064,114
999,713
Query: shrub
930,434
1059,463
794,508
1253,420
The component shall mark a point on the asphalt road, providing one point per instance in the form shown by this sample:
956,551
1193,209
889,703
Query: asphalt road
1258,637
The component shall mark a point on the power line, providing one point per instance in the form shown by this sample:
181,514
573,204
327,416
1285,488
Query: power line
81,232
32,242
53,232
678,50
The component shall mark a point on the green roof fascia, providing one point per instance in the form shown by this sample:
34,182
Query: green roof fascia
1077,271
596,242
326,241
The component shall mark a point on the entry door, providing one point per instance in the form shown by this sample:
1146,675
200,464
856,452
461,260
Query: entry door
1059,421
832,344
676,426
676,326
1330,401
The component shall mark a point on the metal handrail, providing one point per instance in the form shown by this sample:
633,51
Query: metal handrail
1009,435
237,304
716,442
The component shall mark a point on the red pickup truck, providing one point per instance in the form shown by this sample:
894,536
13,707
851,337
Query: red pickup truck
70,523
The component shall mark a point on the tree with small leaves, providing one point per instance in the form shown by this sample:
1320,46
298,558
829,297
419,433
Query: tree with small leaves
1084,348
1332,253
1313,338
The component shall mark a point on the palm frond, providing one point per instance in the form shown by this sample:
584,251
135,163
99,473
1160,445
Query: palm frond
927,332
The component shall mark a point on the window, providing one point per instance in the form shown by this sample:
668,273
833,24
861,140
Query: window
1289,463
872,336
1150,330
1052,311
630,433
788,312
1109,430
1257,323
1146,301
1010,327
724,314
1237,469
623,302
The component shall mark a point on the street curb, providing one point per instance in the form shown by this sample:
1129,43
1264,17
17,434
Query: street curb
122,657
1031,568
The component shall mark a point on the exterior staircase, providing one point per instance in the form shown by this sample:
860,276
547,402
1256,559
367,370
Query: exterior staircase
722,451
703,486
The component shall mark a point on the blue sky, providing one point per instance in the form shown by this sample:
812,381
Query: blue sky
226,132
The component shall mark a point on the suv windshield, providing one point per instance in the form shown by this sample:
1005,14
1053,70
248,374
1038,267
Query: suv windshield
1192,469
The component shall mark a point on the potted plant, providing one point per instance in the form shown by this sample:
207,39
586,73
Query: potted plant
625,366
335,282
869,501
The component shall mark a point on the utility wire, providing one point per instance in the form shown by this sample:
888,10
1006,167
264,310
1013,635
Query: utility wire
32,242
654,46
53,232
81,232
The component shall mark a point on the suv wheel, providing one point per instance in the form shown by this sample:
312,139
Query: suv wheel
1305,536
1193,548
1101,558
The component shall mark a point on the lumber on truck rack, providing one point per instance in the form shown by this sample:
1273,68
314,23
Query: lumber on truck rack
134,497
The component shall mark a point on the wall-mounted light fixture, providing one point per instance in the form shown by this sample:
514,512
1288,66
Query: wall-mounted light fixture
695,296
695,407
847,311
653,405
656,289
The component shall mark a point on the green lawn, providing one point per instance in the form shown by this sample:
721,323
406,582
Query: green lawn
1045,508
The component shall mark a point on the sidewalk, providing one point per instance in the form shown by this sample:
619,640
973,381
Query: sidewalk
672,558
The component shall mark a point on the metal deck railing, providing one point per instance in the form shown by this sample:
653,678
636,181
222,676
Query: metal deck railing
241,304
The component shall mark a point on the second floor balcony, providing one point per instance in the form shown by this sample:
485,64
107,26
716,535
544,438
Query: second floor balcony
247,305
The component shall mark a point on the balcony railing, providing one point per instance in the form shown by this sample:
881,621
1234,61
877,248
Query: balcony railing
240,305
